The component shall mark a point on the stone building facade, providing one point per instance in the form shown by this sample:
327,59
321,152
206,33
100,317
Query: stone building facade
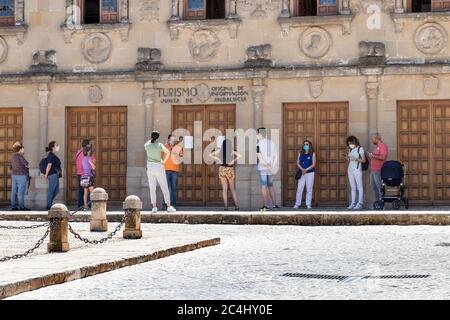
324,70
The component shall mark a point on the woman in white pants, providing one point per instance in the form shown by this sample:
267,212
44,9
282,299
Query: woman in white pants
306,162
155,170
356,157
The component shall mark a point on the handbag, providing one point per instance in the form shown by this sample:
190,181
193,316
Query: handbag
298,174
85,181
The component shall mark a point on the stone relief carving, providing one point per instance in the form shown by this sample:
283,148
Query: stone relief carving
3,50
360,6
315,42
259,56
95,94
259,8
149,10
203,92
97,47
372,53
44,61
430,85
204,45
430,38
315,88
148,59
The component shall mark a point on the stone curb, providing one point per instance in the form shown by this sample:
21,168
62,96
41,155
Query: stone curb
310,219
18,287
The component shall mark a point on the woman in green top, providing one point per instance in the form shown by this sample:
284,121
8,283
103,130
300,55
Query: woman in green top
155,170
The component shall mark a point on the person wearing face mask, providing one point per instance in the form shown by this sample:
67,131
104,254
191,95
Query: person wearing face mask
378,157
306,162
172,167
356,157
53,172
20,173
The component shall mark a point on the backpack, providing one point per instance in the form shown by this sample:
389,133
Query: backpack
364,165
43,165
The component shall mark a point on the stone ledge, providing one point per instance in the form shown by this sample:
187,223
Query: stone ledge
11,288
122,27
17,31
342,20
399,19
230,24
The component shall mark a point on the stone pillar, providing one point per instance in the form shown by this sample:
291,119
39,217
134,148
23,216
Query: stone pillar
149,96
285,9
124,11
372,86
19,12
345,7
132,207
175,10
43,96
232,11
258,93
399,6
99,222
59,215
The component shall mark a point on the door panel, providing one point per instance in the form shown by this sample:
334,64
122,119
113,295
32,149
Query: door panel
326,125
10,132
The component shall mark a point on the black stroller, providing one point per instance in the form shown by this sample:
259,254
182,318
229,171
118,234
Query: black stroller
393,186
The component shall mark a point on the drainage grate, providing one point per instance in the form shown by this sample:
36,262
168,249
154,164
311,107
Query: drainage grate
341,278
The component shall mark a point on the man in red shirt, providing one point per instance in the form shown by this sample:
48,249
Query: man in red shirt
378,156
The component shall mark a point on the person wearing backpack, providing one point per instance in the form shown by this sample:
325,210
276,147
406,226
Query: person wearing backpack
52,172
356,158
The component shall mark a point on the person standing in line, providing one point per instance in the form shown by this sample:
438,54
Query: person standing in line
267,157
356,156
155,171
378,156
306,162
172,166
53,172
20,173
87,179
79,156
226,156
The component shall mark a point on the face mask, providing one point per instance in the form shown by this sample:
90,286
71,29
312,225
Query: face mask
352,146
22,151
306,148
57,149
172,140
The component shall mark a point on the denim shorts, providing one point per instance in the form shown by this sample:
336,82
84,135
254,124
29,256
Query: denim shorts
265,179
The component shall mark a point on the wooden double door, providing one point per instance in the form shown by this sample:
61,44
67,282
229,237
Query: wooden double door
423,137
198,184
11,120
326,126
106,127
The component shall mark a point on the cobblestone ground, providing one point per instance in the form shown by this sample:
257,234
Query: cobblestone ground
250,261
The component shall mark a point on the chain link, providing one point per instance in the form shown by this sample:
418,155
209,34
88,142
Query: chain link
30,251
108,237
35,226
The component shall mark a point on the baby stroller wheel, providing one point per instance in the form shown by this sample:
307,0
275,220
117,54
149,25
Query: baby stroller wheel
396,204
378,205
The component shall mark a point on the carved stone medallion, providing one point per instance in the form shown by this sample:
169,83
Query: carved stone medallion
431,38
315,88
149,10
315,42
430,85
95,94
97,47
203,93
204,45
3,50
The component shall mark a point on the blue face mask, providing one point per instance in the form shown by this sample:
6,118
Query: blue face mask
306,148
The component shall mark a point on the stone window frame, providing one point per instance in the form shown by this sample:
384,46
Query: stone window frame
400,15
343,19
177,22
122,26
20,28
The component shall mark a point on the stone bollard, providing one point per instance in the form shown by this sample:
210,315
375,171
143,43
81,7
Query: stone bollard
132,207
59,214
99,222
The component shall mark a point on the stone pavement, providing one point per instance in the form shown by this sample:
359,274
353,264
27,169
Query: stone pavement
318,217
42,269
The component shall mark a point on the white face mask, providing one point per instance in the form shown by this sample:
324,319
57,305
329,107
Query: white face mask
172,140
352,146
57,148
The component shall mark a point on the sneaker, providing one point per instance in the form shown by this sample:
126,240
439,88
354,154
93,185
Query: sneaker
155,210
309,207
171,209
24,209
15,209
296,207
351,206
275,207
264,208
359,206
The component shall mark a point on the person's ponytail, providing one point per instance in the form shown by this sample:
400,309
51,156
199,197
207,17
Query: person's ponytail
50,147
155,136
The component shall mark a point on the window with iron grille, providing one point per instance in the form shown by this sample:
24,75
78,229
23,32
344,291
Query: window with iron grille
204,9
7,13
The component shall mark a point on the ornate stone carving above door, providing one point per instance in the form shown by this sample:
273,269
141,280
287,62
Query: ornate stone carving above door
3,50
315,88
431,38
204,45
95,94
430,85
315,42
97,47
149,10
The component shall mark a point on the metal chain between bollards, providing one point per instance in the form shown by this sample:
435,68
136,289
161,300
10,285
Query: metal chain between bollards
30,251
35,226
108,237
